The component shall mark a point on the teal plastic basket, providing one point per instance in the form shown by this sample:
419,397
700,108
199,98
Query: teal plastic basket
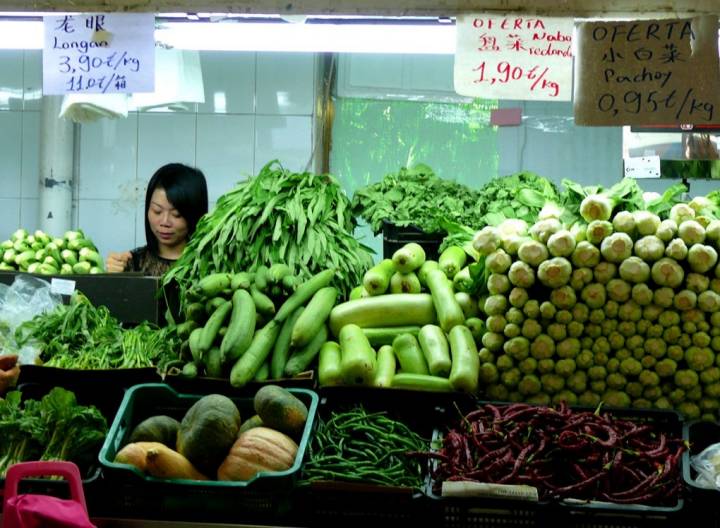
151,399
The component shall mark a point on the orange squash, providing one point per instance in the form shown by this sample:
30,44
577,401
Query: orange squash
258,449
163,462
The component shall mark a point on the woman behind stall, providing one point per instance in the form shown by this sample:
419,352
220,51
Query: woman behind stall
176,198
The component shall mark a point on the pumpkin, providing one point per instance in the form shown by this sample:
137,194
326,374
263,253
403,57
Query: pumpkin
134,454
161,429
207,432
280,409
258,449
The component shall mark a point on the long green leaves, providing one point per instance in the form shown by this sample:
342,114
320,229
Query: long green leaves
299,219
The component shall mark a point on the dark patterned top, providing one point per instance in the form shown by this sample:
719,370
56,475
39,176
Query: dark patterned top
147,263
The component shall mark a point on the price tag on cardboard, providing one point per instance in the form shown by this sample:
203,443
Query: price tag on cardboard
514,57
647,72
62,286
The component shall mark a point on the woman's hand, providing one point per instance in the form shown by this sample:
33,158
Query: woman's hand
116,262
9,372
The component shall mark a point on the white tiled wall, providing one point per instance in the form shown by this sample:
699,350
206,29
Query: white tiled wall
258,107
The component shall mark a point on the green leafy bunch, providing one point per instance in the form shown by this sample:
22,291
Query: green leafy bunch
53,428
279,216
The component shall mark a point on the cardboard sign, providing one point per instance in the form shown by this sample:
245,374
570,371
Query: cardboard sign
514,57
647,72
99,53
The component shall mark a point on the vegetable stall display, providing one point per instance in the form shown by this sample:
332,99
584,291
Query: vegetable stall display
622,306
73,253
302,220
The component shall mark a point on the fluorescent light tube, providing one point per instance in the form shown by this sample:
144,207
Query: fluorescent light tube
259,36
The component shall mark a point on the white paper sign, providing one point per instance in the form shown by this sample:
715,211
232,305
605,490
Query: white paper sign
514,57
644,167
62,286
99,53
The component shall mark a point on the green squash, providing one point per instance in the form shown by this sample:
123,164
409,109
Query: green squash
161,429
208,431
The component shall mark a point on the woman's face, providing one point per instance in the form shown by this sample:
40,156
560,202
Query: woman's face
166,223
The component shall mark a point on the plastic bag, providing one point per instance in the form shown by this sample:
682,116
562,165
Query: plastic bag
27,297
707,465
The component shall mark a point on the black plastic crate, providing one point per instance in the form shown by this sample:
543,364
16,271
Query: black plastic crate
482,512
395,237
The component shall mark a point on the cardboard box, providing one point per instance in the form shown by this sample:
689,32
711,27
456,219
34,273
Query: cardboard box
130,297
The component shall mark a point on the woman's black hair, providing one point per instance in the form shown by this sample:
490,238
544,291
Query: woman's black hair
185,188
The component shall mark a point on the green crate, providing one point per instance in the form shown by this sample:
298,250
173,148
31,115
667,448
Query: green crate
150,399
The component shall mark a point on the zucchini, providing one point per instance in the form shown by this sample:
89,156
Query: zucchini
250,362
314,316
241,328
281,349
189,370
385,367
277,272
404,283
409,257
304,292
377,279
356,292
289,282
194,343
302,359
212,327
213,363
421,382
468,304
329,372
213,304
448,310
242,280
399,309
263,372
465,360
261,279
211,285
462,281
385,335
263,303
476,326
452,260
185,329
195,312
435,349
358,361
426,268
410,355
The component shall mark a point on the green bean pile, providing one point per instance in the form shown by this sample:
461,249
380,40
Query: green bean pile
372,448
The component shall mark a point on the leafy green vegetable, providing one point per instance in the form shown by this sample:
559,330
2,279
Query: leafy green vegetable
299,219
54,428
416,196
82,336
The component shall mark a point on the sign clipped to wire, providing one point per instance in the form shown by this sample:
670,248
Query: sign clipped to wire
514,57
647,72
99,53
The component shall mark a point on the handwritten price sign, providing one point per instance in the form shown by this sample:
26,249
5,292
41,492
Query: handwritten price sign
99,53
648,72
514,57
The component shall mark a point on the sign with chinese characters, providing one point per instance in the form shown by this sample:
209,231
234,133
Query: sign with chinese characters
99,53
647,72
513,57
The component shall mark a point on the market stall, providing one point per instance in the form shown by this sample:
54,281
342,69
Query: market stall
424,344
